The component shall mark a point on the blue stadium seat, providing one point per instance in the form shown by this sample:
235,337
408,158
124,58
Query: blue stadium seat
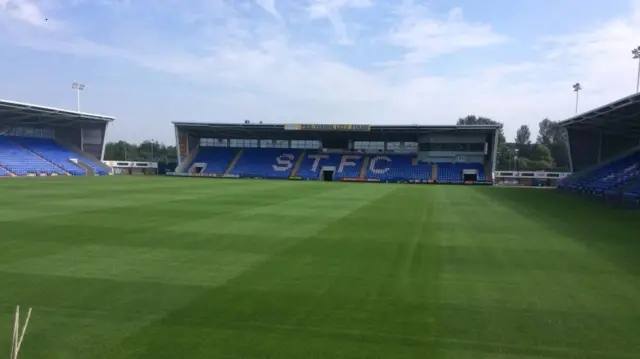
633,194
36,156
279,163
4,173
61,156
397,168
217,159
611,177
379,167
51,151
452,172
312,164
349,166
266,162
22,162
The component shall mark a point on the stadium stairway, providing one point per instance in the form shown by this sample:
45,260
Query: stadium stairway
266,163
22,162
73,162
49,151
4,172
88,171
286,163
363,169
67,173
296,167
216,160
186,164
99,167
234,161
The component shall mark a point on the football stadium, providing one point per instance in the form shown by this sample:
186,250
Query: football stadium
263,243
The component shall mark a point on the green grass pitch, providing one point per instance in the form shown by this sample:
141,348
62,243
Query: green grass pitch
132,267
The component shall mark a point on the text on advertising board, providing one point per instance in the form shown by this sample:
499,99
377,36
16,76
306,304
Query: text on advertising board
335,127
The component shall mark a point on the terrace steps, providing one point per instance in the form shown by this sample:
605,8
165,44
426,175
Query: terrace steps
234,161
294,172
363,169
46,159
8,171
184,167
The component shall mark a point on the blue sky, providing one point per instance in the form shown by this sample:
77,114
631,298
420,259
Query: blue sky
150,62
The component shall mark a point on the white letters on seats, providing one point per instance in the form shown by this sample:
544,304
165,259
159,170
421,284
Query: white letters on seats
379,171
284,162
317,158
346,161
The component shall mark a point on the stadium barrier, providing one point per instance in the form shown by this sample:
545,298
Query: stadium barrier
35,175
354,179
344,179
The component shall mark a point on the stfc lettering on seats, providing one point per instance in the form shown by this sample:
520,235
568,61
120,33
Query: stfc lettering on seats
373,165
284,162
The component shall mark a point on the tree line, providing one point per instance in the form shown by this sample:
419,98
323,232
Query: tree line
150,150
548,152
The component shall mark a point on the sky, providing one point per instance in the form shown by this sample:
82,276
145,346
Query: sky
150,62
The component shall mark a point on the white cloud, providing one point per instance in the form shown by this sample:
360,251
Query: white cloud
270,7
282,80
26,11
426,36
323,8
331,10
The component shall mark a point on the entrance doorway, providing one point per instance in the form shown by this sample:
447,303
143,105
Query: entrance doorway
327,175
470,177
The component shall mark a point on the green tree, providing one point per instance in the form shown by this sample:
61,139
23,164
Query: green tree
555,138
149,150
541,152
523,136
523,141
479,120
541,158
550,132
120,151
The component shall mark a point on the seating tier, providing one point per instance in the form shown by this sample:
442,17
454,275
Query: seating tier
216,159
22,162
609,178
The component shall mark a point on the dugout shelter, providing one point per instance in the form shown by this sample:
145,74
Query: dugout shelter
235,147
37,140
